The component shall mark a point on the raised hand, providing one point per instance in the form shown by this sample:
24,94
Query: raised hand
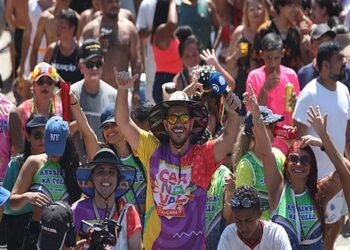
311,140
249,99
124,80
209,57
317,121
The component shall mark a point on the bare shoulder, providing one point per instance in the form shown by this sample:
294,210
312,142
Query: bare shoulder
126,25
125,13
238,31
33,162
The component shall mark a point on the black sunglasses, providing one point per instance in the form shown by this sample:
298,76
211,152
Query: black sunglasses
91,64
38,135
46,80
303,160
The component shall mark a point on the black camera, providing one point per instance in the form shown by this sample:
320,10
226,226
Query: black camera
101,234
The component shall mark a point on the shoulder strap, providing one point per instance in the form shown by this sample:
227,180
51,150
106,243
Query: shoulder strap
121,217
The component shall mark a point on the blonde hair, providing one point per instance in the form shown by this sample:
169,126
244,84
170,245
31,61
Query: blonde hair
242,146
245,19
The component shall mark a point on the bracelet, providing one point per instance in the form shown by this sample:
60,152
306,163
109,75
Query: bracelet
257,121
74,103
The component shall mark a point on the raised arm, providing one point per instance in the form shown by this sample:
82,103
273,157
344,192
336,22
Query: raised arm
341,164
36,42
210,59
90,139
223,144
273,177
126,125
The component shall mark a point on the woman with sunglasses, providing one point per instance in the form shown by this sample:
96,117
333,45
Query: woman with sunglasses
45,78
33,145
297,200
248,156
47,177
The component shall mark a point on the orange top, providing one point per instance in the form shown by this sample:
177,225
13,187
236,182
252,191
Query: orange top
168,60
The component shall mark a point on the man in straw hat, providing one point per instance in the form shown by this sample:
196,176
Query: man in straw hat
104,181
178,170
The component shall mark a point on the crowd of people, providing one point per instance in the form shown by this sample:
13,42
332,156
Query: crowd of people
176,124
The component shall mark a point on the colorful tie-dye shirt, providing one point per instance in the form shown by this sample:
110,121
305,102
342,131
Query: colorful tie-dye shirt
176,194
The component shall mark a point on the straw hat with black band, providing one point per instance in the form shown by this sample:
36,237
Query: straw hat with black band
197,111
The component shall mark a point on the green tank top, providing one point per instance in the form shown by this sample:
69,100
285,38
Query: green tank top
256,169
199,19
297,214
49,181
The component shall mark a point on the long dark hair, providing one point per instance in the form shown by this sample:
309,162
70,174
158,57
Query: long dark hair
160,15
311,183
69,162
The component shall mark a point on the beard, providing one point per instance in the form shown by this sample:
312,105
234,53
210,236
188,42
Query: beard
179,141
113,13
339,77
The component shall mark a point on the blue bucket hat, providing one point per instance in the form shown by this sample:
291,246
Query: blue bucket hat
4,195
267,115
126,174
56,134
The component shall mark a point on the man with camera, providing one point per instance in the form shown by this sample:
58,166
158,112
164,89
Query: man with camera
178,170
103,219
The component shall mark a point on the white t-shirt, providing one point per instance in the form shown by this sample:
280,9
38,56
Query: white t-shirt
274,238
337,105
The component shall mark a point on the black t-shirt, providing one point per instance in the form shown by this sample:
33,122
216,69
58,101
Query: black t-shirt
290,44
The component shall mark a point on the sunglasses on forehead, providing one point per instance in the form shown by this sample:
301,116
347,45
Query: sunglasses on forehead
46,80
172,119
303,160
245,202
91,64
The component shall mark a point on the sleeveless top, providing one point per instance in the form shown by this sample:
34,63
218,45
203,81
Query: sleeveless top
29,109
49,181
298,216
198,18
67,66
168,60
250,160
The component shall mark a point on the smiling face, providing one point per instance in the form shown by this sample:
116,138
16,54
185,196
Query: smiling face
104,178
299,164
112,133
180,131
191,56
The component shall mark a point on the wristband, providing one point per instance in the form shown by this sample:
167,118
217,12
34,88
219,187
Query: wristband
257,121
